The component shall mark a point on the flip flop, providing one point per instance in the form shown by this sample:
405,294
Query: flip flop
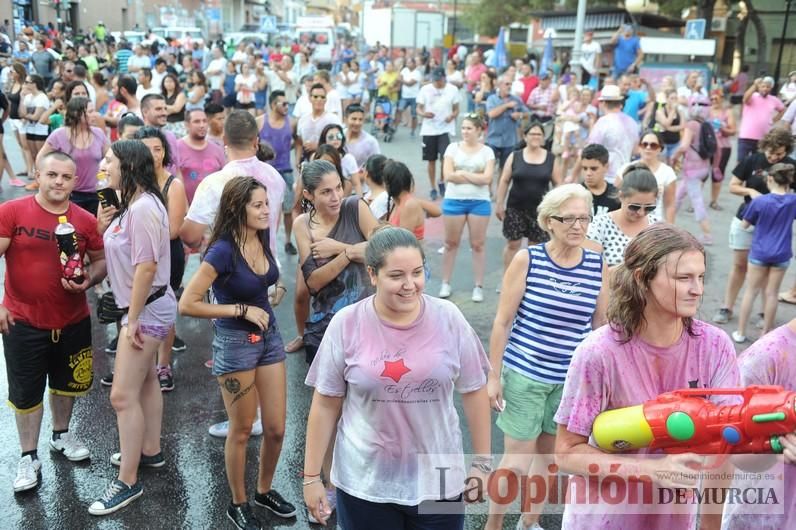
785,297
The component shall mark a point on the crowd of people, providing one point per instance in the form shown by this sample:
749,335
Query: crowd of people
223,153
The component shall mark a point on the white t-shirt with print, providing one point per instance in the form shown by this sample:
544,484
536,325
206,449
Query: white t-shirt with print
440,101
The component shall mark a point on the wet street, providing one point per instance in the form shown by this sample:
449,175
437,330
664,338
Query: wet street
191,491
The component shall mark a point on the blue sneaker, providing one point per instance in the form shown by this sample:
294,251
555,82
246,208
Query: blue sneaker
117,496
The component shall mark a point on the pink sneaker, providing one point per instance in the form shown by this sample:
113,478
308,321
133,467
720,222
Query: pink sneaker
17,182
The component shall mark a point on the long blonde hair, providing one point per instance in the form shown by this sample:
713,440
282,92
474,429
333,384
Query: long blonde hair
644,256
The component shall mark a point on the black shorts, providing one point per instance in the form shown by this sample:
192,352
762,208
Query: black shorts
35,358
522,223
244,106
434,146
724,158
36,137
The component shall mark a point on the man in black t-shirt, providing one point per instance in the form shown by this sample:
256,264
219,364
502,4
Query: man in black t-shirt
749,181
594,164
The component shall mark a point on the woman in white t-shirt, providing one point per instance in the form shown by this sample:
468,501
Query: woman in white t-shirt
245,87
34,103
468,169
650,148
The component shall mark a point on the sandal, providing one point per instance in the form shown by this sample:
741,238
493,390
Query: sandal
715,206
295,345
785,296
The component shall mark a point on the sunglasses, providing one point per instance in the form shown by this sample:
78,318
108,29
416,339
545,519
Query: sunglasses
334,136
648,208
650,145
316,96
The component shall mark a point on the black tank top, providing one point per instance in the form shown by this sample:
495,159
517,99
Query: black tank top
14,100
671,137
177,116
529,182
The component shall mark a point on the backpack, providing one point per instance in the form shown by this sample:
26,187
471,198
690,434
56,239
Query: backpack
707,141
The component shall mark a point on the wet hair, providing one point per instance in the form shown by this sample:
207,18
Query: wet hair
265,151
595,152
554,199
781,173
386,238
153,132
374,166
137,168
331,152
147,101
240,128
312,174
777,138
128,83
353,108
177,87
325,131
397,179
128,120
637,178
211,109
71,86
275,94
230,221
644,256
76,110
37,80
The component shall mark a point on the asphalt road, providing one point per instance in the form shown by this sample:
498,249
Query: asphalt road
191,490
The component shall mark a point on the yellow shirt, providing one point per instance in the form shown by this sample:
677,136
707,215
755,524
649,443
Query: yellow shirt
386,89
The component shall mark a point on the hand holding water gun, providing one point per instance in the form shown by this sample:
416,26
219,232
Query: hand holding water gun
684,421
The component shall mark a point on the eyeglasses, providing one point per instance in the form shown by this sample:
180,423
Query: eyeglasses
334,136
318,96
648,208
650,145
569,220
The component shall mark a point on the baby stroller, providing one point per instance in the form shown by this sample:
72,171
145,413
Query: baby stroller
382,118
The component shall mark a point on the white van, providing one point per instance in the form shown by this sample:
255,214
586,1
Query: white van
183,35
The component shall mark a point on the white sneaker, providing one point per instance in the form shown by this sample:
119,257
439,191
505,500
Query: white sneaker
220,430
445,290
28,474
478,294
521,525
70,447
738,338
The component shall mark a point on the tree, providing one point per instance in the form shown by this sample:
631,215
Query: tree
487,16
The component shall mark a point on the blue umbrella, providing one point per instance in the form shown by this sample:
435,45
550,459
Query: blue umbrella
547,55
499,57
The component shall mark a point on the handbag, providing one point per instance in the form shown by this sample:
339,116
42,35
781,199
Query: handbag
107,310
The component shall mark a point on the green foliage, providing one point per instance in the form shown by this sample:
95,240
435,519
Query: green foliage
674,8
487,16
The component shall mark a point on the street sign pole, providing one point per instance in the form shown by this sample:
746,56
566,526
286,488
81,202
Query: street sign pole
580,22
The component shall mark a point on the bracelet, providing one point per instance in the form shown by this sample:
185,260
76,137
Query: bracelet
484,468
282,287
313,481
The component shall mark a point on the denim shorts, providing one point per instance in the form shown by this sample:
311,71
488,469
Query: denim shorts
466,206
740,238
759,263
408,103
235,350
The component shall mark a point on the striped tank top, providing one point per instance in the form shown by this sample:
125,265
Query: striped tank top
554,315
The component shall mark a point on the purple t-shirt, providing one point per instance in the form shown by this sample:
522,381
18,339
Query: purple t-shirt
196,164
773,216
397,385
141,235
769,361
87,160
365,147
605,374
238,283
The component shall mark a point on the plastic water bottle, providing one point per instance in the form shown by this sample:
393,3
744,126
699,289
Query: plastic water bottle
71,260
106,194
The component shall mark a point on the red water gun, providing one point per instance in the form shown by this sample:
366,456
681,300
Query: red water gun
685,421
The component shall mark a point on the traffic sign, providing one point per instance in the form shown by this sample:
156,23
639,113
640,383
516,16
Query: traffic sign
695,29
268,24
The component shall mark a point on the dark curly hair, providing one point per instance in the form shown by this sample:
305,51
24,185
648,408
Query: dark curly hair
153,132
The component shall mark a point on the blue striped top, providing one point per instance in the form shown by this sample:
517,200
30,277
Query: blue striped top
554,315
